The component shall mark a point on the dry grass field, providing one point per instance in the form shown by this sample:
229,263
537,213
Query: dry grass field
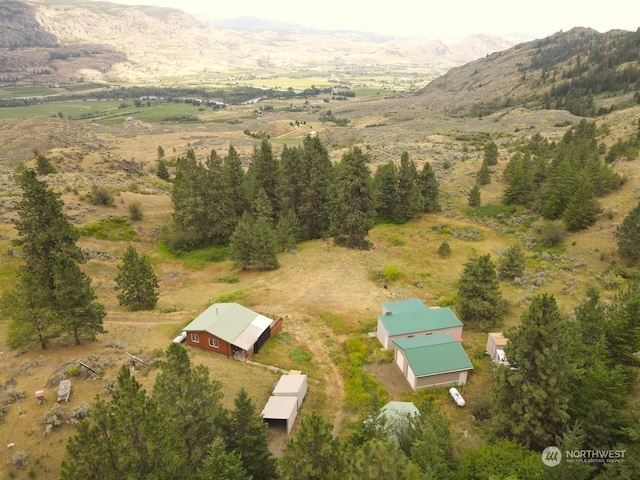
326,294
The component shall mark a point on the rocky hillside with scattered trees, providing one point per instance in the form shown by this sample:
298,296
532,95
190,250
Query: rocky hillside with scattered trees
583,71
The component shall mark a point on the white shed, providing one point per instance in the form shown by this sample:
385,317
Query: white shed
281,408
495,348
292,386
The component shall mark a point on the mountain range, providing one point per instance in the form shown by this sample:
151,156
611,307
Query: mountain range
145,44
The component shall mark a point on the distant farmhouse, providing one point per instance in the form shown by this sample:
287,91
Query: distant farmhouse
232,330
426,342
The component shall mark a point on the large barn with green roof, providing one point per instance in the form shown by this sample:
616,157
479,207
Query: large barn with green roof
412,318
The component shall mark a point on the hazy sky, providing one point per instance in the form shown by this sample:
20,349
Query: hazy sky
426,18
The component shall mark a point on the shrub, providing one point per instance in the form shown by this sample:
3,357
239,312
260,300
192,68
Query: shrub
228,279
135,211
79,413
444,250
392,273
109,385
551,234
53,418
101,196
20,459
13,395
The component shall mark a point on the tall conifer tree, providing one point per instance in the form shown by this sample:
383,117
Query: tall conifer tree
533,394
353,208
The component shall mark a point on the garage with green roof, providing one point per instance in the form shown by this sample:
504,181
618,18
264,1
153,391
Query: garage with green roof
437,360
412,318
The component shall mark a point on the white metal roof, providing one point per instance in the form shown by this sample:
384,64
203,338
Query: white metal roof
249,336
290,384
280,408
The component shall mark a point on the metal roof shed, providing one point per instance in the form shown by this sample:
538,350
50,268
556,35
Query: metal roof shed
292,386
281,408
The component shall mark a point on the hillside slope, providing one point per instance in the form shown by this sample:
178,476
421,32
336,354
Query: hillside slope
162,42
564,71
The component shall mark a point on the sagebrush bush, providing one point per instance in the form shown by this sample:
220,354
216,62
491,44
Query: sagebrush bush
135,211
20,459
100,195
79,413
53,418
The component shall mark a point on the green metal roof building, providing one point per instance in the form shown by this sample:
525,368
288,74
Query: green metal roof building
412,318
432,360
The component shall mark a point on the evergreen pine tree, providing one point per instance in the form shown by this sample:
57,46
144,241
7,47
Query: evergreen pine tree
512,263
428,441
502,459
264,172
77,312
43,165
191,404
124,438
385,190
582,209
479,297
261,206
353,208
491,154
44,234
162,172
519,176
313,453
137,281
247,435
189,198
294,178
557,190
410,201
28,306
483,177
381,458
628,236
430,189
222,465
242,242
234,179
288,231
220,217
473,199
264,249
315,209
532,395
160,152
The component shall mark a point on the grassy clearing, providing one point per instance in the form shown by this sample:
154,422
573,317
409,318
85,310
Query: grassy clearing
117,229
195,259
